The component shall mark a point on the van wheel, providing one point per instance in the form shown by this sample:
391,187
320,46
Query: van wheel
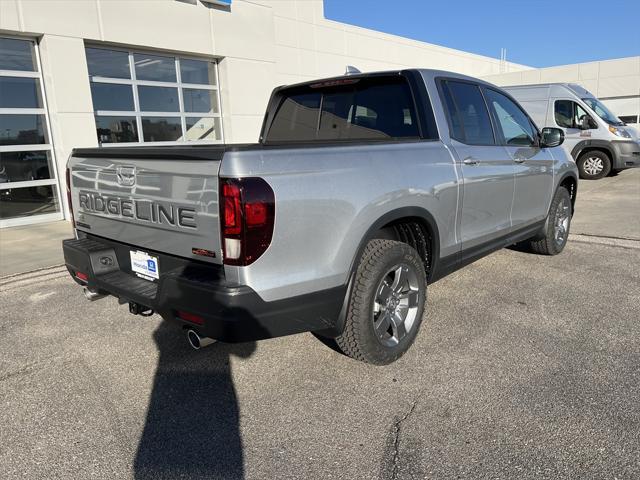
594,165
556,230
386,303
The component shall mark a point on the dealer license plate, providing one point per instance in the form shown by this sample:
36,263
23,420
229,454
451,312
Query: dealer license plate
145,265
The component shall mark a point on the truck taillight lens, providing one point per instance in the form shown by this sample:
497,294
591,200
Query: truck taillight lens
247,213
68,178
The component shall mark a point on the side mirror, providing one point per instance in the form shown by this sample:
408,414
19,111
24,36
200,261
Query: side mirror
587,123
551,137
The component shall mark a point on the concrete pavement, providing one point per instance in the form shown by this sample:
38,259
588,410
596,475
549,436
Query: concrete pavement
23,249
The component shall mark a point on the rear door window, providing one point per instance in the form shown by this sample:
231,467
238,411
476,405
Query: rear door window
378,108
469,119
515,126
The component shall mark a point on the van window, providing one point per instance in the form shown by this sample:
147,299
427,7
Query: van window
467,112
513,122
360,109
569,114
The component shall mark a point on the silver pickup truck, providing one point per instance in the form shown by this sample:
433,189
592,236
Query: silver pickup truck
362,190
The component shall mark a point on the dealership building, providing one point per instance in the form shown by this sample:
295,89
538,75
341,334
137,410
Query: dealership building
106,72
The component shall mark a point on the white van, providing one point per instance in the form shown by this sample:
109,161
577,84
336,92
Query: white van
599,141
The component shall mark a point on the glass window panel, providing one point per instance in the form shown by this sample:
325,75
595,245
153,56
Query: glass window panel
18,92
108,63
17,55
155,67
197,71
515,125
25,166
158,99
161,129
296,118
201,101
22,129
473,113
111,96
28,201
116,129
207,128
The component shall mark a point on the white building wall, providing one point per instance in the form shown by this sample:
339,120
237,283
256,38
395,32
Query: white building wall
615,82
259,43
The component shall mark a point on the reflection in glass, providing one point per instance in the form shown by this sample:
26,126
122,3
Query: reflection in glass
203,129
17,55
161,129
108,63
25,166
28,201
22,129
111,96
16,92
201,101
158,99
155,67
116,129
197,71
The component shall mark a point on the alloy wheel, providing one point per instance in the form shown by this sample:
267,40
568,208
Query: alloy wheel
395,305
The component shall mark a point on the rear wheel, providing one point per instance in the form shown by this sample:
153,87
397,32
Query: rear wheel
386,303
556,231
594,165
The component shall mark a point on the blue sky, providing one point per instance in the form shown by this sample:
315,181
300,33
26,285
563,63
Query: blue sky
539,33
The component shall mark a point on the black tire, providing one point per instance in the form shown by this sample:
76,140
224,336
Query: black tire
380,263
547,242
594,165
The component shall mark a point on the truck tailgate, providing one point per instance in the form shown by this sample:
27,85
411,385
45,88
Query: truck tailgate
160,199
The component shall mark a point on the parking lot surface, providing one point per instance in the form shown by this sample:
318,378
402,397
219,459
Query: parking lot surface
525,367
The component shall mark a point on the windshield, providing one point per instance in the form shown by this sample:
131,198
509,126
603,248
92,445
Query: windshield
602,111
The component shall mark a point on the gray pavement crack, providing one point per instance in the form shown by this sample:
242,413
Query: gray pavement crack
397,430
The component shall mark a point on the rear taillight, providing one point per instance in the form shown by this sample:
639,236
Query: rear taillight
247,216
68,176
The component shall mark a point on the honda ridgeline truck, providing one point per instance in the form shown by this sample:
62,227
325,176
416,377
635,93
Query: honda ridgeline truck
599,141
362,190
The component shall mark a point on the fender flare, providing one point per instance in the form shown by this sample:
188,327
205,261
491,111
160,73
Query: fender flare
605,145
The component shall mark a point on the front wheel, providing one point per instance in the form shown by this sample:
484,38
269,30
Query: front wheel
556,230
594,165
386,303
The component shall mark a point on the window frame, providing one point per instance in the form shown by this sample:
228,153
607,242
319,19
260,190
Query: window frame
424,115
54,181
138,114
442,83
573,113
498,127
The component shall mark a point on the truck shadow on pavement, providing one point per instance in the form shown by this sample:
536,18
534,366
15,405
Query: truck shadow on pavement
192,426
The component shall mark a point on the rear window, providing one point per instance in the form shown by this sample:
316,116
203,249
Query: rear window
363,109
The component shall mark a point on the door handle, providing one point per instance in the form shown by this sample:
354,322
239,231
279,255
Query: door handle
470,161
519,160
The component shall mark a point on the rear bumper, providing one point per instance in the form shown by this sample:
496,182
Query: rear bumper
229,313
627,154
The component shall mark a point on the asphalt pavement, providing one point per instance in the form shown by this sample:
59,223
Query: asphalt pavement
525,367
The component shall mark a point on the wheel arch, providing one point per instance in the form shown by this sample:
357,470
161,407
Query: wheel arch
404,216
390,219
587,146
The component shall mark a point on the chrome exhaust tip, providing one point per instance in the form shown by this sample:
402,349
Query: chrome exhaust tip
92,295
196,341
